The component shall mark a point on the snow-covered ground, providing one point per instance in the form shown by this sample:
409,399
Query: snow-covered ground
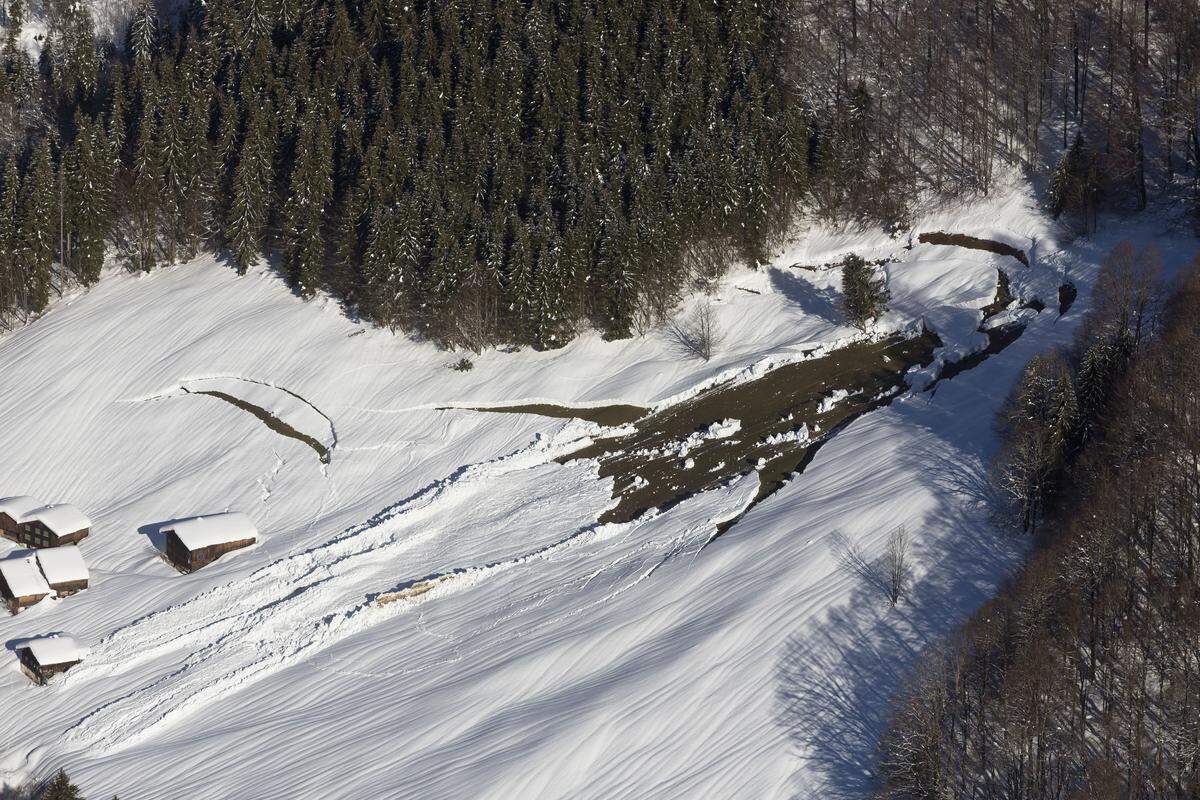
521,650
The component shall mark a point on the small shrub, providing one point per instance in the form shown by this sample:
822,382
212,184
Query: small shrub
464,364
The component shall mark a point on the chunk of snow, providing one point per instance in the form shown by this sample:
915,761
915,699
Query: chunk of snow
800,434
689,463
200,532
1018,316
62,564
724,429
831,400
23,577
59,649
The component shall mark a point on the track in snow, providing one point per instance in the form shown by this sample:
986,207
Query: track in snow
233,635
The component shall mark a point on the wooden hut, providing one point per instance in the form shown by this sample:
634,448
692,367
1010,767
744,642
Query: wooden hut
54,526
21,582
190,544
41,659
12,511
64,569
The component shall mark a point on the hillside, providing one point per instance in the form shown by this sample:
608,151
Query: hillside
527,651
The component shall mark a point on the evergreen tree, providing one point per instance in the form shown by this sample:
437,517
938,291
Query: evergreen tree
143,34
36,213
86,203
864,294
251,186
1071,185
16,20
145,194
310,191
61,788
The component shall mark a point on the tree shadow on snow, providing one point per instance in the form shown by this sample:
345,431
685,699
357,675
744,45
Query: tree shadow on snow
836,680
821,303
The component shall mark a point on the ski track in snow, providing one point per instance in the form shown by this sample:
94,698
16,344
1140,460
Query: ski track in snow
242,631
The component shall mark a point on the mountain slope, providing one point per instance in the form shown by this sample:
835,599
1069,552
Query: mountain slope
530,652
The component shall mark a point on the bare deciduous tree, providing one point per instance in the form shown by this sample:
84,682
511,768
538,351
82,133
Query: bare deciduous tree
896,564
889,574
698,334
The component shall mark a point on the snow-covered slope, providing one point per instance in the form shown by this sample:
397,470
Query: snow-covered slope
520,649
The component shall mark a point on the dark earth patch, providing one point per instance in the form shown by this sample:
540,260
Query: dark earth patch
1066,297
608,416
270,420
973,243
649,471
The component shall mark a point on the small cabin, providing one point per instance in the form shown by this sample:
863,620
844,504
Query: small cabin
22,583
42,659
64,569
12,511
190,544
54,526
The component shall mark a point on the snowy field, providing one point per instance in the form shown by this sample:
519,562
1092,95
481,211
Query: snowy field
528,652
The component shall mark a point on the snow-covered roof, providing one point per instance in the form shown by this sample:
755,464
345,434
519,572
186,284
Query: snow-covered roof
56,650
207,531
17,507
23,577
63,519
62,564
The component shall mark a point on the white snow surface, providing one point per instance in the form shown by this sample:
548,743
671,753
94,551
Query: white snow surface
199,532
58,649
63,519
523,650
17,507
62,564
23,577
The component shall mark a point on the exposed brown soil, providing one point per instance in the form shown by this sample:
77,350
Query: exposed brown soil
270,420
973,243
608,416
649,470
1003,295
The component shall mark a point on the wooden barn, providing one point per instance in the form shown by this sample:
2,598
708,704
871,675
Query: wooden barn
21,582
12,511
54,526
190,544
64,569
42,659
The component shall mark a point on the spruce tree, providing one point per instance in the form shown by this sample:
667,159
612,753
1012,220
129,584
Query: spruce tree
36,214
61,788
310,191
143,33
251,186
864,294
86,208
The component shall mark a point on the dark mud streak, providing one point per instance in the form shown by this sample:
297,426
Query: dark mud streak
973,243
270,420
609,416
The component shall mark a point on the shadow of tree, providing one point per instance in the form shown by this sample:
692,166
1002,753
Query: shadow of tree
811,300
836,681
